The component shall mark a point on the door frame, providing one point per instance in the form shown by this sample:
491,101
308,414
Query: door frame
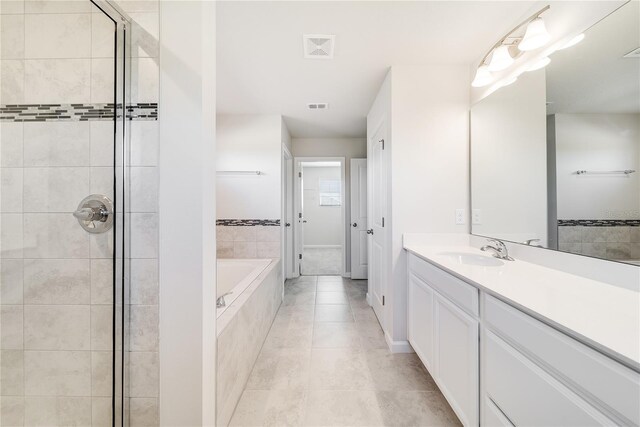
297,197
287,216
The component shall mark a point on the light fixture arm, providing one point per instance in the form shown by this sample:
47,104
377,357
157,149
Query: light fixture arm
506,36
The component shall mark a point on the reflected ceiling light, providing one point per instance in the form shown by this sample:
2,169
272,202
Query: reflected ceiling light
574,41
509,81
536,35
540,64
501,59
483,77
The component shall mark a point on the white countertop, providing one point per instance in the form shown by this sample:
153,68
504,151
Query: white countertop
602,315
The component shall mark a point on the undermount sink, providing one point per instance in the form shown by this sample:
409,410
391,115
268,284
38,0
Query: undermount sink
466,258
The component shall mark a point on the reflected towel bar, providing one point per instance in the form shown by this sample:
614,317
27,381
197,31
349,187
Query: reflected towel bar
239,172
625,172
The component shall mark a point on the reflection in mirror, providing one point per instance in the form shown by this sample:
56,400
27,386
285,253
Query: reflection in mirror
566,173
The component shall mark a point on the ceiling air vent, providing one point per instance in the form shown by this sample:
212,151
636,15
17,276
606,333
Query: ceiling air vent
635,53
318,46
318,106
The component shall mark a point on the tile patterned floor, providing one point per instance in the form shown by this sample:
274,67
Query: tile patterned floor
318,261
325,363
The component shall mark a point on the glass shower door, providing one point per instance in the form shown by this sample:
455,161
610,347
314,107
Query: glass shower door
61,223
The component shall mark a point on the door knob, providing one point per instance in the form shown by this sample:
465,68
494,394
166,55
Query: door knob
304,221
95,213
370,231
288,224
355,224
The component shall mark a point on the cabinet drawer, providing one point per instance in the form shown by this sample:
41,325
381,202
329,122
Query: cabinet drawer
461,293
597,377
527,394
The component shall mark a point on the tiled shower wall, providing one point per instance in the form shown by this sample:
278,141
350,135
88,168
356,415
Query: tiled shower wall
619,242
55,298
248,238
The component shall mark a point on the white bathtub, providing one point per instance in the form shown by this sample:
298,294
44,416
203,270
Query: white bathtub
235,276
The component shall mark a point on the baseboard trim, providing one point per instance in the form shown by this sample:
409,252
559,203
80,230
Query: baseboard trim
369,299
322,246
398,346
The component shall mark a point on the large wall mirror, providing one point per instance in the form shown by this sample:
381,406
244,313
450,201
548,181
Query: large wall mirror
555,156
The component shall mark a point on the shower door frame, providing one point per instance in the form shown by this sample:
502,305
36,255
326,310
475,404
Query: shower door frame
121,226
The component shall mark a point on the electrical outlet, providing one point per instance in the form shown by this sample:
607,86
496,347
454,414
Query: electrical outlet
476,216
460,217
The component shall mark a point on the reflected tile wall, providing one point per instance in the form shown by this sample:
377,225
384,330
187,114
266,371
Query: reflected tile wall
55,279
621,243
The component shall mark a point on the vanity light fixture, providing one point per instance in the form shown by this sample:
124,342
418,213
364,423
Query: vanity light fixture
503,53
540,64
483,77
501,59
574,41
536,35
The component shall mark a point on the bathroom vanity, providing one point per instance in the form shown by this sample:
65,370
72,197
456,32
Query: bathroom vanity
521,343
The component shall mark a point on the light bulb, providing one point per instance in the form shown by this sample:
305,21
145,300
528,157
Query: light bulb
501,59
483,77
574,41
535,36
540,64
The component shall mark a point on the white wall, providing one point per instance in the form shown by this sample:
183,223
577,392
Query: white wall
324,223
509,161
349,148
430,169
187,255
249,143
427,112
598,142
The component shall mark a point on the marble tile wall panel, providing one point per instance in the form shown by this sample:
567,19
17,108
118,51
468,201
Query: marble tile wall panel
248,241
56,280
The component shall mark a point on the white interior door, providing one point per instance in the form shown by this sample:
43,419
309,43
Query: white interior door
287,214
377,191
359,246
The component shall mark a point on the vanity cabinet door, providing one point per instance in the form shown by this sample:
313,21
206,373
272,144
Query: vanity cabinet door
420,324
456,359
492,416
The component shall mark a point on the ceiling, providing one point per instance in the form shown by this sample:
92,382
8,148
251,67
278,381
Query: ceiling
261,68
594,76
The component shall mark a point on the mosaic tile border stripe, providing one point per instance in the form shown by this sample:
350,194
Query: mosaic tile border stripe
599,222
248,222
73,112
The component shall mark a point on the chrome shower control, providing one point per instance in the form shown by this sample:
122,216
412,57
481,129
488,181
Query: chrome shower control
95,213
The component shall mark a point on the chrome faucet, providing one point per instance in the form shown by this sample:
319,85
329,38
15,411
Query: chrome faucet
530,242
500,249
220,302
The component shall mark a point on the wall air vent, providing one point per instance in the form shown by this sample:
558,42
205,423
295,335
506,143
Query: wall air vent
635,53
318,46
318,106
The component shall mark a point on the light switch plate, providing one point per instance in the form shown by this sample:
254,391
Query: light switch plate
460,217
476,216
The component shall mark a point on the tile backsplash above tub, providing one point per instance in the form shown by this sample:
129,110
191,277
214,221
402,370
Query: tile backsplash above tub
252,238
